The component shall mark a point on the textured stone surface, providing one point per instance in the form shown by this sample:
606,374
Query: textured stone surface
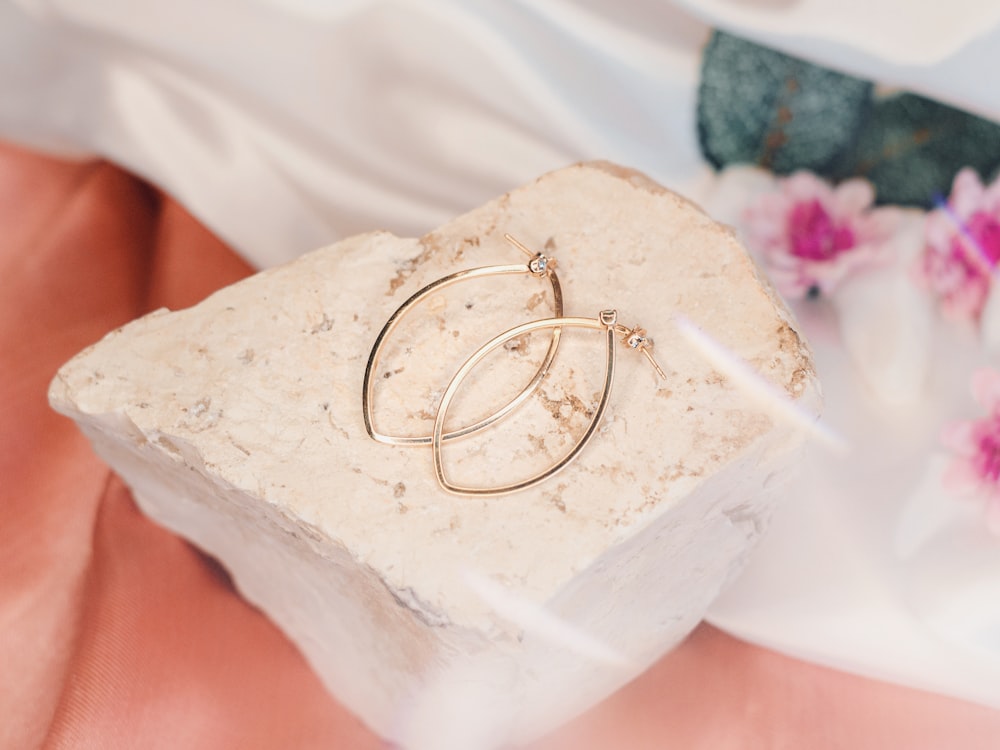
238,424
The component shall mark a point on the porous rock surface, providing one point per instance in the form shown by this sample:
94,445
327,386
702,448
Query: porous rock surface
238,424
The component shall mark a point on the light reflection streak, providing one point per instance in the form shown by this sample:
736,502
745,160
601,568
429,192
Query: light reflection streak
744,377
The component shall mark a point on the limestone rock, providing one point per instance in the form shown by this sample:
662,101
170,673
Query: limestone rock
238,424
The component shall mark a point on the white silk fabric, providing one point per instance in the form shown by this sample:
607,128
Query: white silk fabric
287,124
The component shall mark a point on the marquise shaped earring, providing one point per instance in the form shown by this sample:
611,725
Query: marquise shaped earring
538,265
607,321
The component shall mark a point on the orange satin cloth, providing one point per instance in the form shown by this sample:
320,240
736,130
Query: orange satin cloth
116,634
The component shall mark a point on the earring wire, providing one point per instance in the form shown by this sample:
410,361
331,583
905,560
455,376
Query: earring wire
607,321
540,266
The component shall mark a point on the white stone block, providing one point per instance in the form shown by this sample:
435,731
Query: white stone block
238,424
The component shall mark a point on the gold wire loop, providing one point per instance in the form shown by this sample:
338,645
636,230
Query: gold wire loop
538,265
607,321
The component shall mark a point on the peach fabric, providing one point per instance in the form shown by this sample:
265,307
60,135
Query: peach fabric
116,634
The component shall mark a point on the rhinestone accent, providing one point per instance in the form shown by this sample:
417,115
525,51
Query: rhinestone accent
538,264
637,339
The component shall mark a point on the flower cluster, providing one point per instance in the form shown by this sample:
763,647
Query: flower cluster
962,247
812,235
975,445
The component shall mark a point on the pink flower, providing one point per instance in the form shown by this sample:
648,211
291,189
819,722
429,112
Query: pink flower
962,247
975,468
811,235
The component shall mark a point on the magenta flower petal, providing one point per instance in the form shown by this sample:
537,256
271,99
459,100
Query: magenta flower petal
805,186
812,236
962,248
975,447
966,193
853,197
939,228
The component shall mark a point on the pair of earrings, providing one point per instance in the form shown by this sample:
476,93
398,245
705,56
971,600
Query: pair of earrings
538,266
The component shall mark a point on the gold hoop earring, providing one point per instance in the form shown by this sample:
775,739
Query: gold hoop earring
607,321
538,265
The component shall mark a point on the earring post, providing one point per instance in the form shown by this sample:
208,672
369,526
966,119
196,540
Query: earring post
656,366
636,338
519,245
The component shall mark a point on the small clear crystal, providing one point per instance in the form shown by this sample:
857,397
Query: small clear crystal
636,338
